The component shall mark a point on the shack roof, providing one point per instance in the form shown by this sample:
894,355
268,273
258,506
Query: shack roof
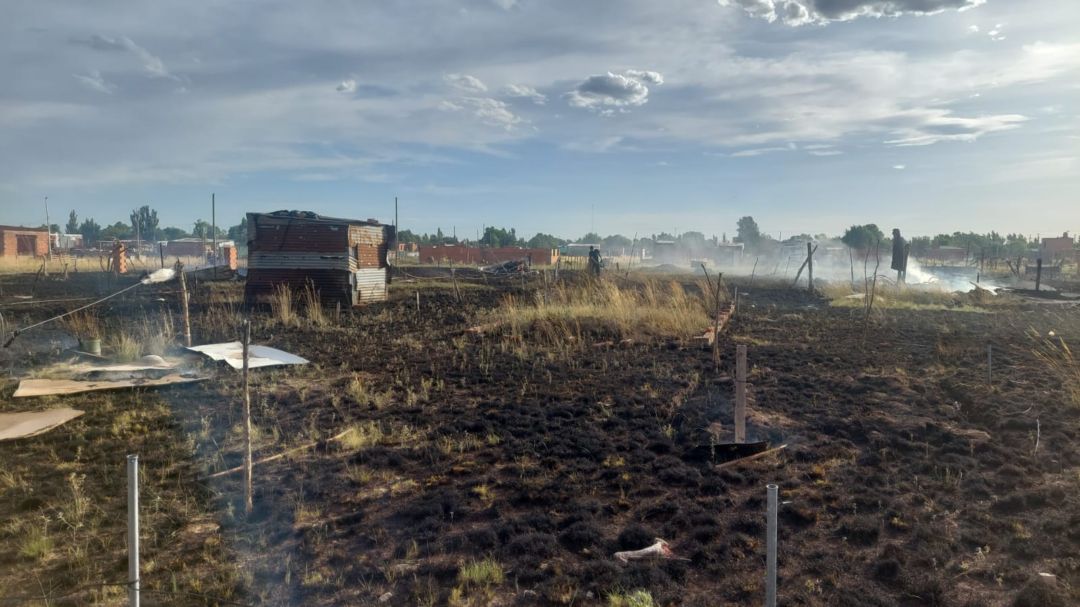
20,229
312,217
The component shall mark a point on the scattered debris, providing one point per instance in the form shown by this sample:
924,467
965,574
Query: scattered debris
516,266
47,387
660,549
258,356
765,453
32,423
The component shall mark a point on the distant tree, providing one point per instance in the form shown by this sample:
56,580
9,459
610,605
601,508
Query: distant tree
920,245
239,233
144,222
544,241
91,232
72,226
748,232
173,233
203,229
590,238
692,240
804,237
861,238
402,236
499,237
118,230
616,242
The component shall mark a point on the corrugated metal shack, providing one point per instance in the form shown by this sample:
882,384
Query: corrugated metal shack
345,259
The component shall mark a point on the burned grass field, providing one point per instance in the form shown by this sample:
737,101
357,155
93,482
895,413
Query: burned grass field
471,451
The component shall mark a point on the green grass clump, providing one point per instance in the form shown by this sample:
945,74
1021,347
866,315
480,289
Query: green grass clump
636,598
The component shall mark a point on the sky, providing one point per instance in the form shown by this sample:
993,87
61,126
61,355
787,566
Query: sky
557,116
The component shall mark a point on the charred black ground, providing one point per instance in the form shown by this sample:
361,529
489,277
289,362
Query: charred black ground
907,480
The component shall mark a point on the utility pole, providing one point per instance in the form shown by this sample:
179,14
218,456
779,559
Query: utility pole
213,224
48,228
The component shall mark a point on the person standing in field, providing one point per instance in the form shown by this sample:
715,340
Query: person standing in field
899,256
595,261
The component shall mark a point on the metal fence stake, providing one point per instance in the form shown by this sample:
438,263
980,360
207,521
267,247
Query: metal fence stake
133,529
770,563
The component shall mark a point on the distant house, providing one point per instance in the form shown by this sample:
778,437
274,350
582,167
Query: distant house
19,242
345,260
1062,248
468,255
66,242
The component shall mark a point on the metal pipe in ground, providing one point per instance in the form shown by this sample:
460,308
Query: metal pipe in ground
133,529
770,562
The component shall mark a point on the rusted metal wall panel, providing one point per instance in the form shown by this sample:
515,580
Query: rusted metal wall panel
296,234
369,245
296,260
370,285
332,285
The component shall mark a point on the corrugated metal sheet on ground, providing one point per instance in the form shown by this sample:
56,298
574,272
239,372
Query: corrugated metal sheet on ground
32,423
258,356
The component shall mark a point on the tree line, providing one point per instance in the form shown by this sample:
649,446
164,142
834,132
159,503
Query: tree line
144,225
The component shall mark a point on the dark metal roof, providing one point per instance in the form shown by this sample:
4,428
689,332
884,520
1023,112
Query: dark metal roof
315,217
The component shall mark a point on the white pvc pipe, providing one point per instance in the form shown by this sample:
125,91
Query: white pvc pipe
133,529
770,562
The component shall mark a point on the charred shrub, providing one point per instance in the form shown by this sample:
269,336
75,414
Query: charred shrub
635,537
581,535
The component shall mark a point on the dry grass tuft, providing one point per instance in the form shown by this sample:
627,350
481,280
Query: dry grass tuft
650,308
313,309
282,306
1055,353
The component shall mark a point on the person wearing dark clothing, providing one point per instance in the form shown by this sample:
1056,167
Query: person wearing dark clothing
595,261
899,255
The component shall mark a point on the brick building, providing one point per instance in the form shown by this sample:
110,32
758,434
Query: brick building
23,242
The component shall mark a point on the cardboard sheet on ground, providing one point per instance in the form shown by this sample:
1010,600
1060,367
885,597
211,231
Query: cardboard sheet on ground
258,356
30,423
45,387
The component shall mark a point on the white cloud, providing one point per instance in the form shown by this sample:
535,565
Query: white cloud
505,4
465,82
974,29
347,86
94,81
899,167
523,91
489,111
930,126
646,76
150,62
606,92
802,12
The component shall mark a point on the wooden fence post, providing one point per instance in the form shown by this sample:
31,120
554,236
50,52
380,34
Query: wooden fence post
1038,273
810,267
184,301
740,394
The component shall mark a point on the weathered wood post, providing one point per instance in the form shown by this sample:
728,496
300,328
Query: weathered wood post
740,394
248,502
1038,273
989,364
184,301
810,267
